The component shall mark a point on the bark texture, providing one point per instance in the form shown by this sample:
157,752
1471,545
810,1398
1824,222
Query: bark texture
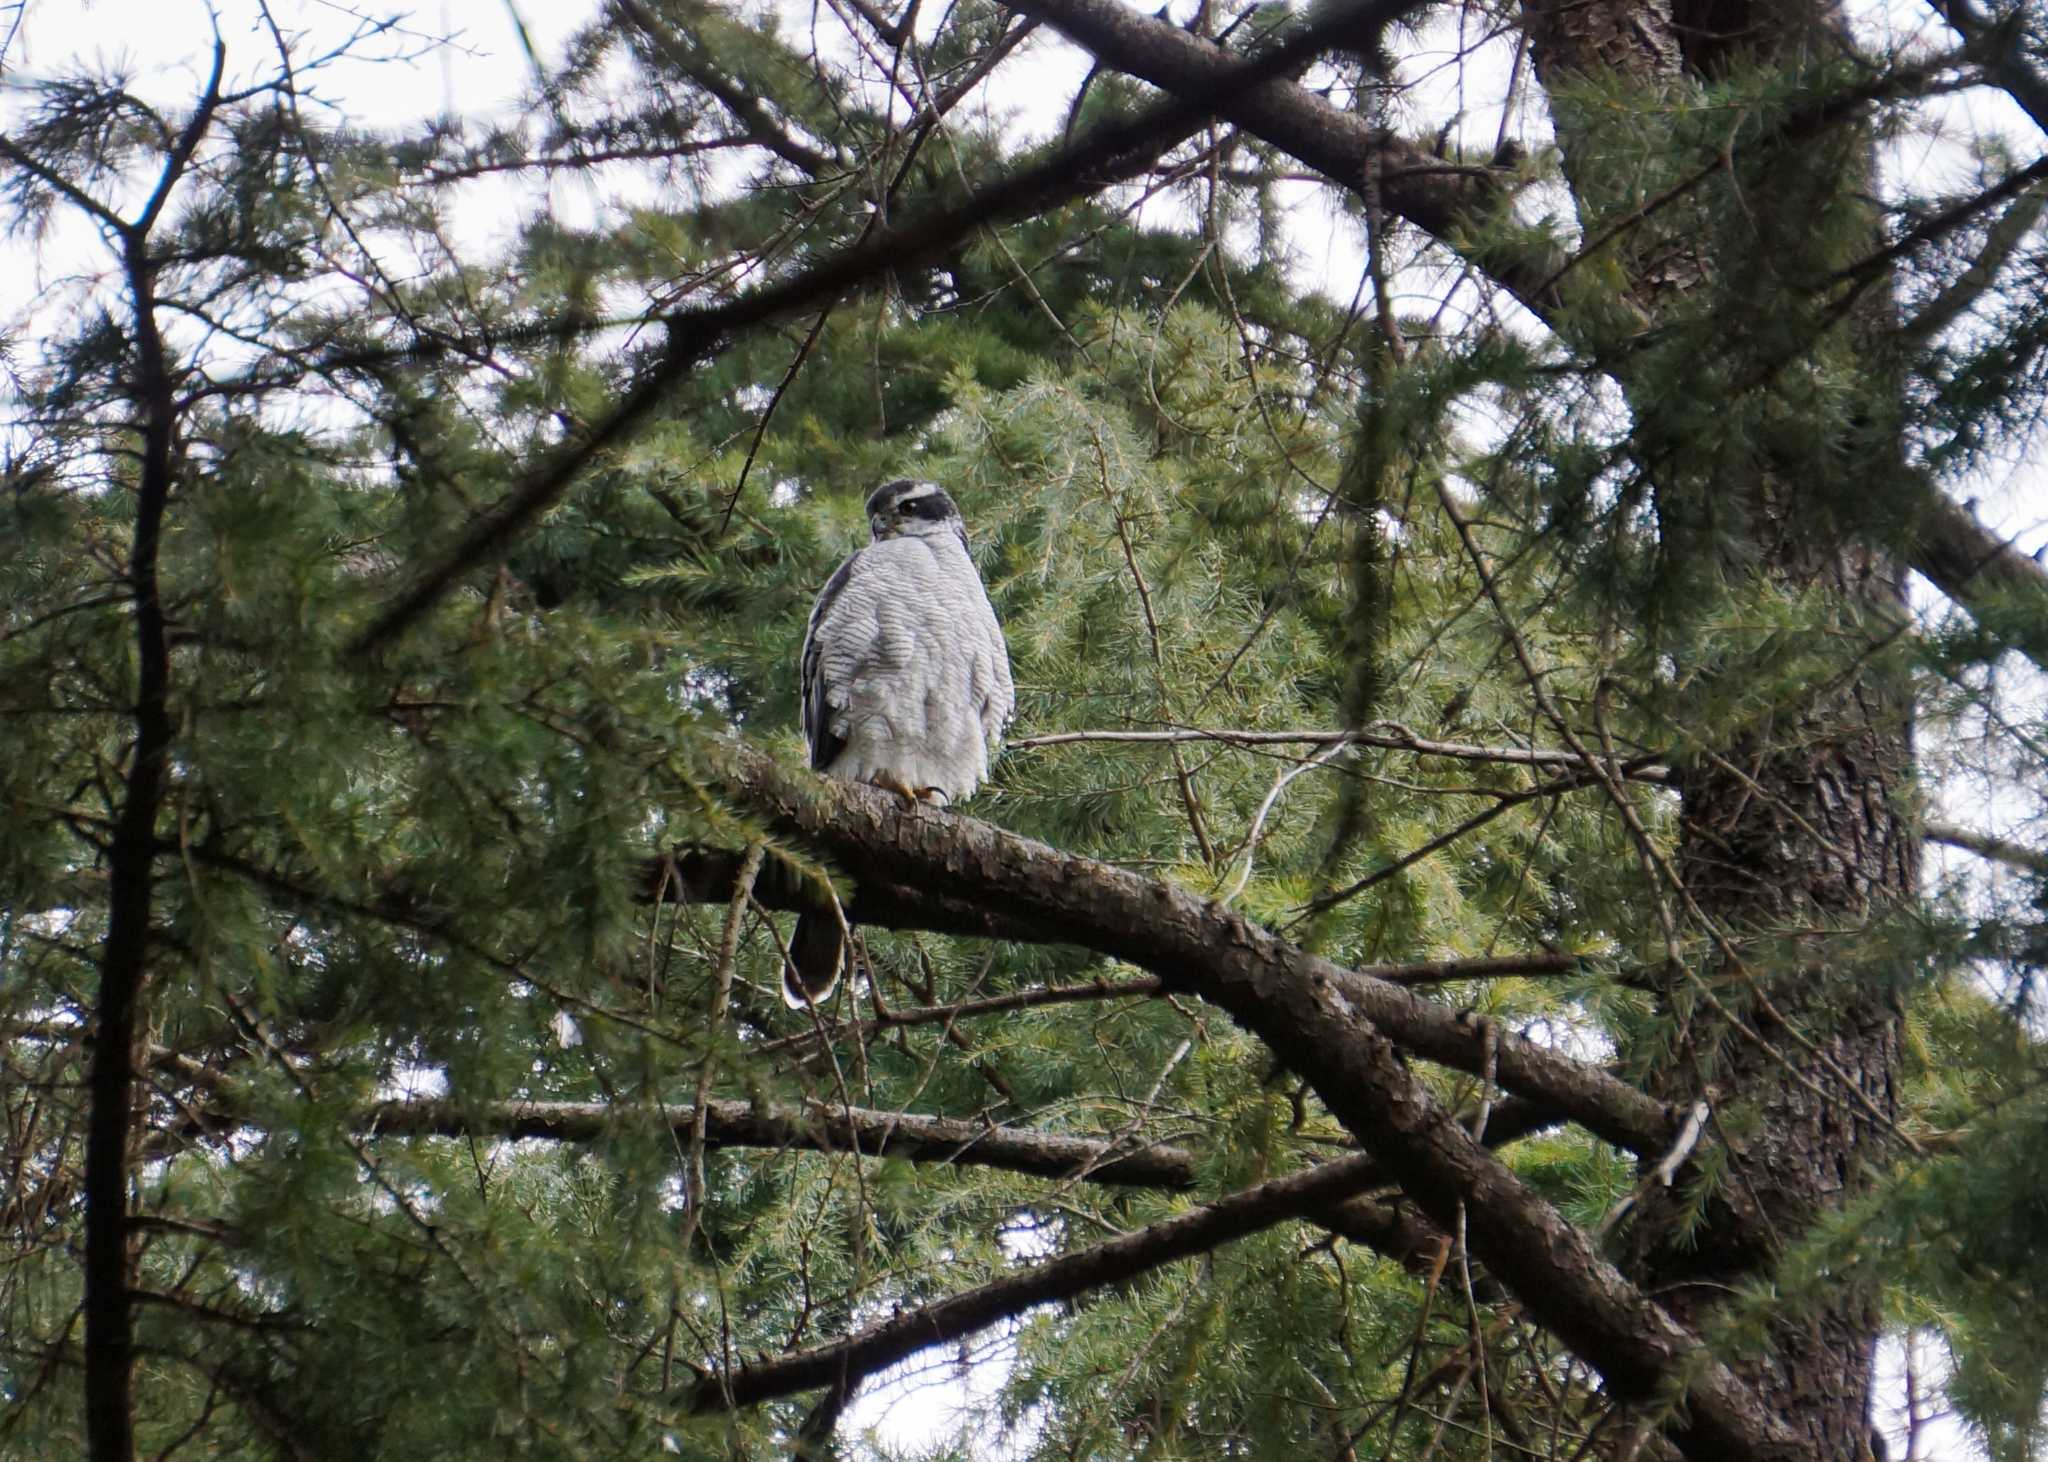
1791,833
1351,1038
1800,831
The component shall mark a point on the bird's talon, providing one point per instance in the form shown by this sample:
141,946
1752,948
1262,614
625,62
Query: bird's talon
897,785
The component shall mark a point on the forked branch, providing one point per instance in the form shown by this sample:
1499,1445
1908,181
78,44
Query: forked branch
1348,1036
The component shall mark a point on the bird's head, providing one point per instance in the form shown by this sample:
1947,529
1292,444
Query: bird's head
907,508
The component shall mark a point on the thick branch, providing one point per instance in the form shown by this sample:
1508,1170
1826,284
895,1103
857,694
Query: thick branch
1998,850
2003,589
1339,1031
860,1130
1438,197
2006,60
1582,1092
124,959
705,875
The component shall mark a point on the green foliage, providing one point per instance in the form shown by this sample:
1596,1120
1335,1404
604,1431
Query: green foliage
1200,499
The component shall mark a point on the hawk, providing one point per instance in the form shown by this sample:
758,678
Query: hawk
906,681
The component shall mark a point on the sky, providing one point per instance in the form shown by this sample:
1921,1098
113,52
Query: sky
485,65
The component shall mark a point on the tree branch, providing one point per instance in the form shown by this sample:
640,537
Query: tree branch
2002,588
861,1130
1108,155
706,875
124,961
2006,63
745,107
1994,582
1338,1030
1581,1091
1027,999
1414,184
1390,735
698,874
1335,1196
1449,971
57,182
1998,850
847,1362
189,138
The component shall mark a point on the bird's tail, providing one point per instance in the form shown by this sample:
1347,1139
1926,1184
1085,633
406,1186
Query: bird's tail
817,952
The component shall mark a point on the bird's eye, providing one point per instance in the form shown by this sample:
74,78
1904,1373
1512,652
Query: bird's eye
906,507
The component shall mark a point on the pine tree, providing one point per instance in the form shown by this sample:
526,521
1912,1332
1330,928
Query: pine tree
1445,966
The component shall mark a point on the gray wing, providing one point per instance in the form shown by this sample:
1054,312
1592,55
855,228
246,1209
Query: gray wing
995,693
817,700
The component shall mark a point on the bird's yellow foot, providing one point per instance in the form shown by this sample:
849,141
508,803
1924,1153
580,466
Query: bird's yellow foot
934,795
890,782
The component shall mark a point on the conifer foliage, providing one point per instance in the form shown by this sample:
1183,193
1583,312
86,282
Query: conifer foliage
1451,962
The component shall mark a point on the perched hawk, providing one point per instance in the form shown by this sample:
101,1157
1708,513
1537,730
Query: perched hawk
906,680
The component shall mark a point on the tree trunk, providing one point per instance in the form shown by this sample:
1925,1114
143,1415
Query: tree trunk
1791,834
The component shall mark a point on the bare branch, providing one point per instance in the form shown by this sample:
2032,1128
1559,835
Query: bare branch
2007,62
745,107
1998,850
848,1361
1390,735
819,1128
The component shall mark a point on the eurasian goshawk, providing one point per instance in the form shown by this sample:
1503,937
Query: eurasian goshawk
906,681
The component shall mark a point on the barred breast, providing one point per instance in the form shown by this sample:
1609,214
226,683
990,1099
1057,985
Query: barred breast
911,668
